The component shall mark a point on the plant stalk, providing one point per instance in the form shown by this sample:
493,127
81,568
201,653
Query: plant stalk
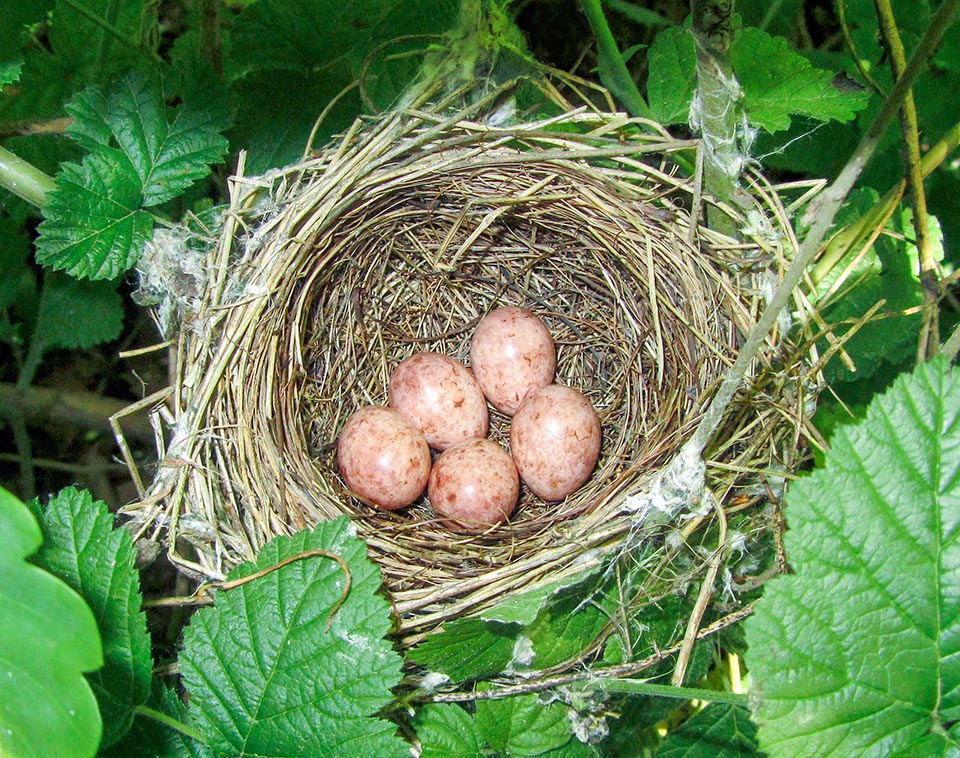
24,179
929,276
717,112
613,71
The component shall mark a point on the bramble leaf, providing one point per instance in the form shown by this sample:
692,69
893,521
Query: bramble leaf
718,731
288,58
778,83
265,674
673,75
467,648
446,730
858,653
94,226
564,630
82,547
522,725
76,314
48,638
169,147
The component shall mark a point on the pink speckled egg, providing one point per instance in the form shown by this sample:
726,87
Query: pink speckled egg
441,397
511,353
555,441
383,457
474,486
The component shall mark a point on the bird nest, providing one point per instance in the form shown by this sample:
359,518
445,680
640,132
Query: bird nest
399,238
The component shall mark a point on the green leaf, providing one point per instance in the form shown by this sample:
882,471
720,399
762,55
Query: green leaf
858,653
82,547
48,638
265,675
93,226
778,83
672,76
522,725
279,108
14,252
169,147
467,648
289,59
298,34
77,314
718,731
525,607
447,731
565,630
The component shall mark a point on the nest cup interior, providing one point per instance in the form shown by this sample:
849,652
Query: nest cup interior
642,321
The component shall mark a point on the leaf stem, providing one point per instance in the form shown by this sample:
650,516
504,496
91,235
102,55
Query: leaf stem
613,71
820,217
929,278
637,687
169,721
24,179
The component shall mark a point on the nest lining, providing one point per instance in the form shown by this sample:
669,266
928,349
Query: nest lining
398,240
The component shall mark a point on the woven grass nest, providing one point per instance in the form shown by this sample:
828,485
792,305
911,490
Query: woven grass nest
397,239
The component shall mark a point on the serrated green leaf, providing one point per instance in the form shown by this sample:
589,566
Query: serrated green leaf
48,639
467,649
446,730
778,83
298,35
522,725
858,653
718,731
278,110
93,226
265,675
169,147
76,314
82,547
565,630
289,59
672,77
523,608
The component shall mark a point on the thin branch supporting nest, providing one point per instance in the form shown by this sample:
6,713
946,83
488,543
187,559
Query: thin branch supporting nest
398,239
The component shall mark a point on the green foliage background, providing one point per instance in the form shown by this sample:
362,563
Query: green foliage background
131,115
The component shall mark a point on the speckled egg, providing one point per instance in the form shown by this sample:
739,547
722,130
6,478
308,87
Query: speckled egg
511,353
383,458
555,441
474,486
441,397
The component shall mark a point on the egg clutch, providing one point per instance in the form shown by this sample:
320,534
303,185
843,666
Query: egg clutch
435,402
